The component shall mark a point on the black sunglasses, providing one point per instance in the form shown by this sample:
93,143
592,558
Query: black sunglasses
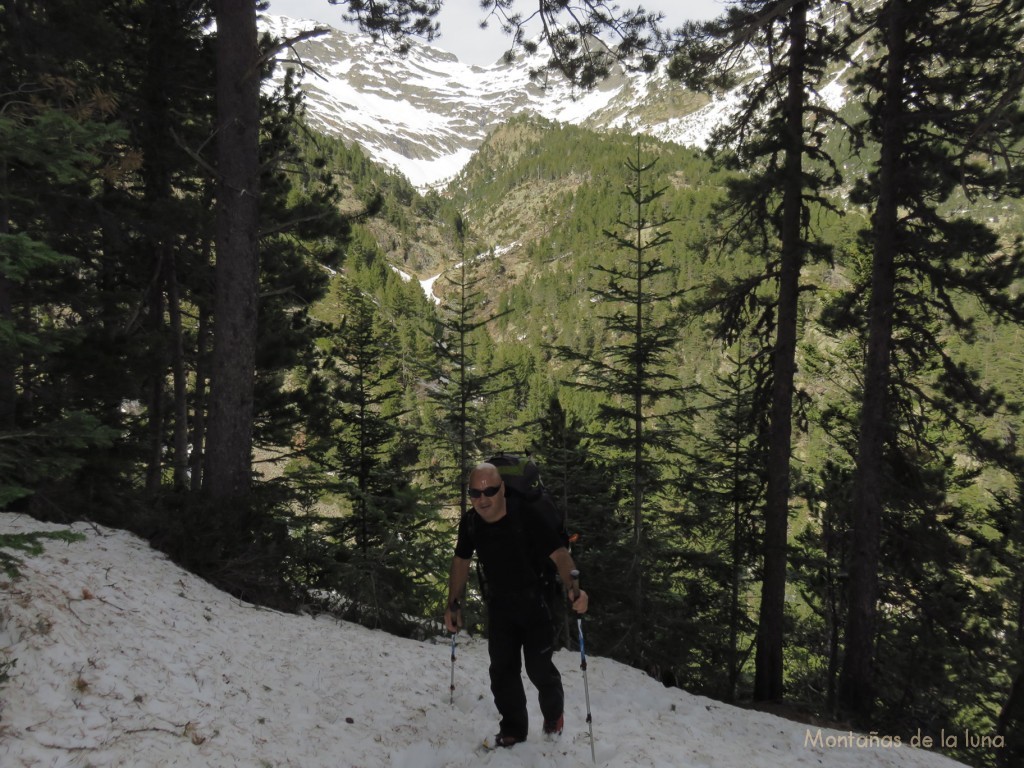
476,493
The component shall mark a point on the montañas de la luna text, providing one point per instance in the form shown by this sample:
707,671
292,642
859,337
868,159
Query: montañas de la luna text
874,740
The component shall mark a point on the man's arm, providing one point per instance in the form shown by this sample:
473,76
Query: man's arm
458,576
564,562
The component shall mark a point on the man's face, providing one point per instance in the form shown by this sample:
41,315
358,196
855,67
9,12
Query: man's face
483,482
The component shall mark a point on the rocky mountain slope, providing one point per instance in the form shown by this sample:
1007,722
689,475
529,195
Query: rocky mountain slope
424,114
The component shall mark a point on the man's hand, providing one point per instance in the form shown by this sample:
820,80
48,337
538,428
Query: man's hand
453,617
579,600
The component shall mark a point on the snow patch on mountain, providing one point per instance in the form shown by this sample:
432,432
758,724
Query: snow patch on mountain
428,288
696,128
426,113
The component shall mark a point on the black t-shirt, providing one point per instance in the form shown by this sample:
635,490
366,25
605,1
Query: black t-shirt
512,550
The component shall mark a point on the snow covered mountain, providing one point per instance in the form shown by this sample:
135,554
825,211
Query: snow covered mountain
124,659
425,114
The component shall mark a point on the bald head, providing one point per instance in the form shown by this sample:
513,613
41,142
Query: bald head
487,471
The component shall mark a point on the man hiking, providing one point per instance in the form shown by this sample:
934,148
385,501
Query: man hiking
512,544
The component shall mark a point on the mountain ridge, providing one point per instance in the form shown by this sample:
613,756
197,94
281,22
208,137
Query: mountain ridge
425,114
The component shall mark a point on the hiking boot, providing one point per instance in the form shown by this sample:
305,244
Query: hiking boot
507,740
554,727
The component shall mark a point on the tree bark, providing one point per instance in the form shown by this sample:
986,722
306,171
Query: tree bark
1011,724
8,358
228,465
180,378
157,372
199,402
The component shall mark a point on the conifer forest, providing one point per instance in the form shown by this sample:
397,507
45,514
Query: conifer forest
775,385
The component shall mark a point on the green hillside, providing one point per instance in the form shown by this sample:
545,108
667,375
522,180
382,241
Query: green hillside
537,200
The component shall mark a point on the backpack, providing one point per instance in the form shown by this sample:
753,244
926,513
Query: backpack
521,476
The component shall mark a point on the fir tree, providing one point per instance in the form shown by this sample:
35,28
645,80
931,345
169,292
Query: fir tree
640,406
461,384
942,102
379,545
58,134
726,485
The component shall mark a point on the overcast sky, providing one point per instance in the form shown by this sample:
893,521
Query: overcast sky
460,19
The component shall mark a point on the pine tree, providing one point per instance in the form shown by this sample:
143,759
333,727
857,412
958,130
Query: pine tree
941,102
573,35
778,137
167,106
582,489
820,560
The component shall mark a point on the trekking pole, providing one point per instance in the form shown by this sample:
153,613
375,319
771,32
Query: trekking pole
586,686
451,689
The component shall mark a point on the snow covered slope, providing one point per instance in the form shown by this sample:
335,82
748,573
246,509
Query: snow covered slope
123,659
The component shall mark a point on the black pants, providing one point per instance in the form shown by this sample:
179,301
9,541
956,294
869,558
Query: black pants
522,624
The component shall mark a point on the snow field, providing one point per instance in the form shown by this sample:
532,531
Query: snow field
124,659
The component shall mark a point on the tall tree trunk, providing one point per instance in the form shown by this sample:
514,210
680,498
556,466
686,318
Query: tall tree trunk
834,620
768,675
157,371
1011,724
198,438
179,374
8,358
737,550
8,361
156,139
856,684
1011,718
228,468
